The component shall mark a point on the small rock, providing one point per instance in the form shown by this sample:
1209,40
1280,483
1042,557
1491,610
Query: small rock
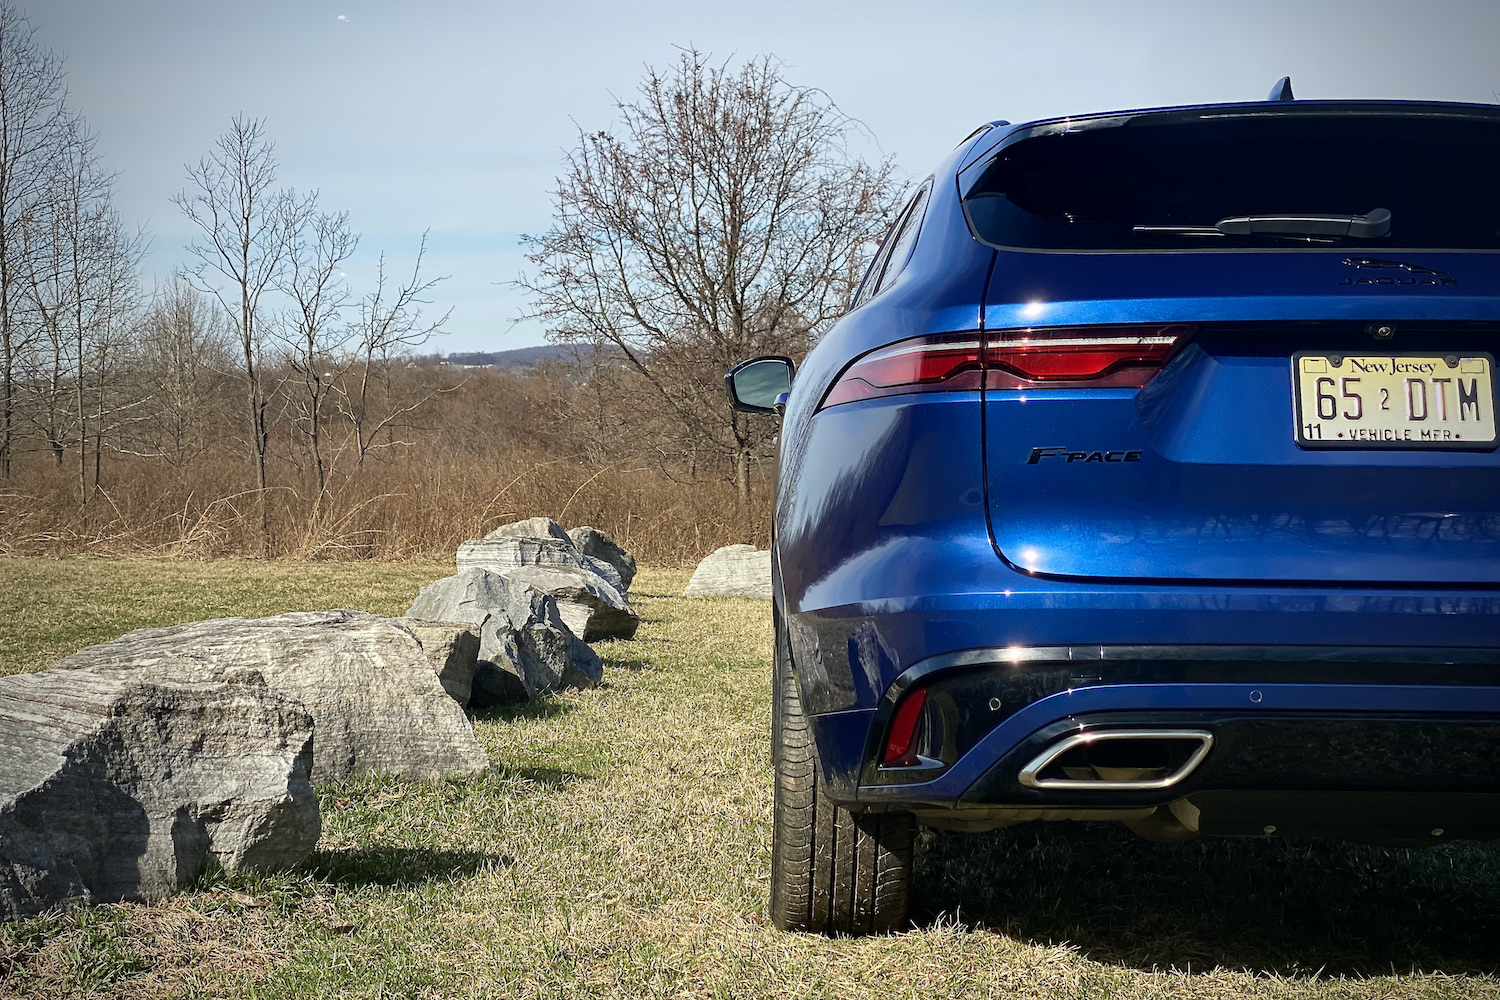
589,605
733,571
587,589
532,527
505,552
552,655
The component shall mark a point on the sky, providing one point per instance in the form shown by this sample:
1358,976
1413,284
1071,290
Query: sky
454,117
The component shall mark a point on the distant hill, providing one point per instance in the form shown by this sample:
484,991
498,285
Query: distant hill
519,359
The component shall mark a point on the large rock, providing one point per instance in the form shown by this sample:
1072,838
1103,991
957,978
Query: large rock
595,544
129,784
588,604
552,653
502,553
525,647
543,542
453,650
532,527
733,571
372,691
589,591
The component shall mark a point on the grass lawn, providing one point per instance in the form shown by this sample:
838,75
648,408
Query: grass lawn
619,847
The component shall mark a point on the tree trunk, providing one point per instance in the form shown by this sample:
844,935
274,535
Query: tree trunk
742,492
7,344
79,395
253,398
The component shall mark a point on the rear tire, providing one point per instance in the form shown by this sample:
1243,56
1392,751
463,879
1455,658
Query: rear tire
833,871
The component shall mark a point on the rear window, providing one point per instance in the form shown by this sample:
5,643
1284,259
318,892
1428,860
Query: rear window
1171,182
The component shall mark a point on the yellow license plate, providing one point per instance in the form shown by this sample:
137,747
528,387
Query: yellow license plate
1395,400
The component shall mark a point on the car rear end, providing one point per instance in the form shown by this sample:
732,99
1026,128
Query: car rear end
1196,523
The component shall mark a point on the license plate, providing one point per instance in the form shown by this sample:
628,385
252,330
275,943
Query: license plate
1395,400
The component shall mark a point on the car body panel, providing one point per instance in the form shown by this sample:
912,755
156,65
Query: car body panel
912,527
941,289
1220,488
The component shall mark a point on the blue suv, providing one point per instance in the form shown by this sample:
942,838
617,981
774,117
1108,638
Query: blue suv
1151,478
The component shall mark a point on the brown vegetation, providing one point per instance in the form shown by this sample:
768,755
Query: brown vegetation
486,447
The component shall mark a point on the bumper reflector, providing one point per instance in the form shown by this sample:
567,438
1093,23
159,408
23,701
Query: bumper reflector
900,744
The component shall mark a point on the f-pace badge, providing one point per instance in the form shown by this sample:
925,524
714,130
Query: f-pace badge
1069,456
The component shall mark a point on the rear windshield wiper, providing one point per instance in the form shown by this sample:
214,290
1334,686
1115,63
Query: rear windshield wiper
1370,226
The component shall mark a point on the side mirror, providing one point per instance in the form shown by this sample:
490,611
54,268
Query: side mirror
760,385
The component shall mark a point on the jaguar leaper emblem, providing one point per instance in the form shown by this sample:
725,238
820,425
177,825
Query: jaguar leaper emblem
1408,274
1391,265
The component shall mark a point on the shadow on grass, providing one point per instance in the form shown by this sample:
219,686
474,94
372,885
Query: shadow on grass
634,665
549,777
540,708
400,867
1291,908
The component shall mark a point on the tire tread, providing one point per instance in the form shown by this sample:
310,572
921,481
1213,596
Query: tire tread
833,871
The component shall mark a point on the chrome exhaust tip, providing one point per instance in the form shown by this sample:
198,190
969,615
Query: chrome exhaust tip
1119,760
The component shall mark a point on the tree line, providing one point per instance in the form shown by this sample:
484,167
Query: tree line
93,365
723,216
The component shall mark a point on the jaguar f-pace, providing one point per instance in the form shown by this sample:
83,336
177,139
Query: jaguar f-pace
1151,478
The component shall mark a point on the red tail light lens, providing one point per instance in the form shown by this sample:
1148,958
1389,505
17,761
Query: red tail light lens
900,744
1094,357
921,364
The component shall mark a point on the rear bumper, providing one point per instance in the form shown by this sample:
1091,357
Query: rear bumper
1355,741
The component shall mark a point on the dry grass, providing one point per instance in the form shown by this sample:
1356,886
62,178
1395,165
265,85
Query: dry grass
619,847
52,607
411,505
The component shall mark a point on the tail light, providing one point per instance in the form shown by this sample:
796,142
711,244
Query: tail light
1119,357
1093,357
922,364
901,741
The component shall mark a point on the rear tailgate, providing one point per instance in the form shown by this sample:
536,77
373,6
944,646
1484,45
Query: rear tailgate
1326,414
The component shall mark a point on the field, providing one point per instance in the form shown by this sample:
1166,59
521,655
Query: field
619,847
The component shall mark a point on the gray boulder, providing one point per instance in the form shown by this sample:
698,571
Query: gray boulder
372,692
552,655
588,590
595,544
590,606
733,571
130,784
532,527
525,647
506,552
453,650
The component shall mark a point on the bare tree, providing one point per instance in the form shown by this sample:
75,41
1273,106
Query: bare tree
245,223
390,326
45,356
80,286
310,335
33,115
726,218
181,348
116,301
